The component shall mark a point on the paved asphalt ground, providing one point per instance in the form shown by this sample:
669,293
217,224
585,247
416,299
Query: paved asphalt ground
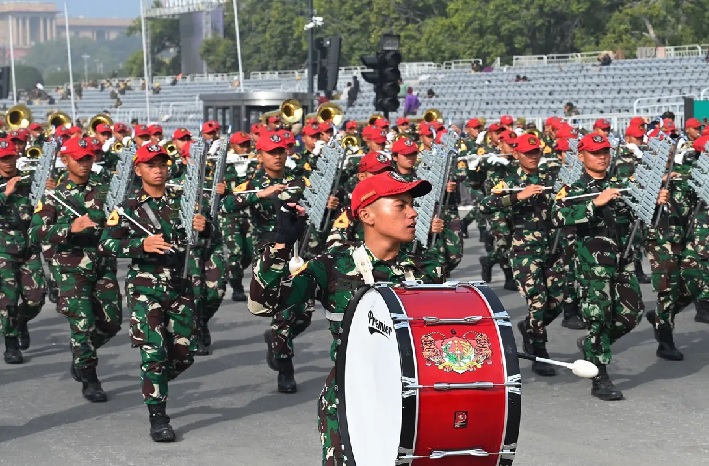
226,409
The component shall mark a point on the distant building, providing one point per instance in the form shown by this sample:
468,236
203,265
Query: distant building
37,22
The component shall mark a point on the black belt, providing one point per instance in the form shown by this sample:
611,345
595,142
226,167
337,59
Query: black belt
618,231
537,226
173,261
10,226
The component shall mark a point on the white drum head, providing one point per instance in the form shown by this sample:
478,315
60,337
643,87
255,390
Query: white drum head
373,383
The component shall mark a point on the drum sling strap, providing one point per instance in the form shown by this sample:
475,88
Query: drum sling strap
364,266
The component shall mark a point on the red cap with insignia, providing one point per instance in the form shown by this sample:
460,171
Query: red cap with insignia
635,131
7,148
273,119
351,125
602,124
325,126
94,144
288,136
148,152
155,130
77,148
506,120
508,137
700,143
120,128
17,136
35,127
103,128
425,129
374,162
378,136
493,128
439,135
383,185
402,121
527,143
141,131
594,143
181,133
75,130
239,138
271,141
404,146
311,130
562,144
210,127
474,123
693,123
381,123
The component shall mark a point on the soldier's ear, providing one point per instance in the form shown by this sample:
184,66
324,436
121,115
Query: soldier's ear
366,216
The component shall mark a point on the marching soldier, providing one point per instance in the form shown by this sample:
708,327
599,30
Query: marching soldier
21,272
162,321
384,205
539,275
698,237
611,304
71,219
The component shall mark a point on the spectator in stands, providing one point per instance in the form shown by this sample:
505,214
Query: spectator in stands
570,109
475,67
117,103
355,85
411,102
525,79
604,60
156,88
706,57
113,95
518,78
78,91
351,94
430,94
173,81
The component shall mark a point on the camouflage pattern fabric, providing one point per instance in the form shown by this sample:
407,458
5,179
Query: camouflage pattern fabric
610,297
21,272
539,275
162,322
332,279
698,240
89,296
676,269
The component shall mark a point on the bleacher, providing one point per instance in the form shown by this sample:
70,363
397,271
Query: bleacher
626,87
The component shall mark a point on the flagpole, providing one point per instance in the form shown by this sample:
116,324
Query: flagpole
12,62
238,46
145,62
71,73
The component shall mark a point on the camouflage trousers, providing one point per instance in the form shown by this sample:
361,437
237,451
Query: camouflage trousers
162,326
610,302
676,277
329,424
209,284
20,280
540,281
568,258
238,246
498,246
285,326
93,306
699,241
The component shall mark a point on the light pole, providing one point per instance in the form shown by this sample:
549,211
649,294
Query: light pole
315,21
86,66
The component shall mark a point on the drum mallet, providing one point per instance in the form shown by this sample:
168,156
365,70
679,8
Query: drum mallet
581,368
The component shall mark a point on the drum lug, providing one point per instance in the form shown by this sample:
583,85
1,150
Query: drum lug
438,454
383,285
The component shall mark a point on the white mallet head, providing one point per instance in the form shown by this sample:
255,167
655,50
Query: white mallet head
585,369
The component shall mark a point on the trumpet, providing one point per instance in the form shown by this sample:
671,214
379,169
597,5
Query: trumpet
350,141
117,147
171,148
34,152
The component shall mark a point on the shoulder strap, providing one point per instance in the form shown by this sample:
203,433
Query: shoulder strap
363,264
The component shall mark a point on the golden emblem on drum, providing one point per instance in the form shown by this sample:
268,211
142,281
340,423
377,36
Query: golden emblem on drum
454,353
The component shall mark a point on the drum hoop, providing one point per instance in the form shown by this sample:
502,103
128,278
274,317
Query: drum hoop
513,404
340,371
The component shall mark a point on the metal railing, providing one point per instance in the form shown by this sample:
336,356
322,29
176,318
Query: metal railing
678,51
660,104
703,93
461,64
529,60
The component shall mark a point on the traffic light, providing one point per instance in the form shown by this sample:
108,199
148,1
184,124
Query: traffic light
385,74
328,62
4,82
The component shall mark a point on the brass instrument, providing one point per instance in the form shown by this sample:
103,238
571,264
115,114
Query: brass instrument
291,111
18,116
351,141
117,147
373,118
330,112
433,114
97,120
33,152
171,148
58,119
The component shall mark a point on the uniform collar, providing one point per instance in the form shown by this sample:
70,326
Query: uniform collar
142,196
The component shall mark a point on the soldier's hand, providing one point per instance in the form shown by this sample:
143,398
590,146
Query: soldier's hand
663,197
199,223
221,188
437,225
51,184
156,244
606,196
82,223
271,190
450,186
12,185
333,202
529,191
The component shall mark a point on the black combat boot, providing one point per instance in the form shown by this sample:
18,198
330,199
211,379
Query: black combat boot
486,272
73,370
663,334
572,318
270,359
642,278
483,232
542,368
91,387
527,346
286,376
24,335
702,311
237,291
510,284
52,291
160,428
12,352
602,386
205,333
202,349
464,224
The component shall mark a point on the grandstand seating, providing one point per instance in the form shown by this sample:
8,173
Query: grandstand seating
595,90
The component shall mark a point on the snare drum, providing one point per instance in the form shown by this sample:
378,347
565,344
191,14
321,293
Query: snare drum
428,375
